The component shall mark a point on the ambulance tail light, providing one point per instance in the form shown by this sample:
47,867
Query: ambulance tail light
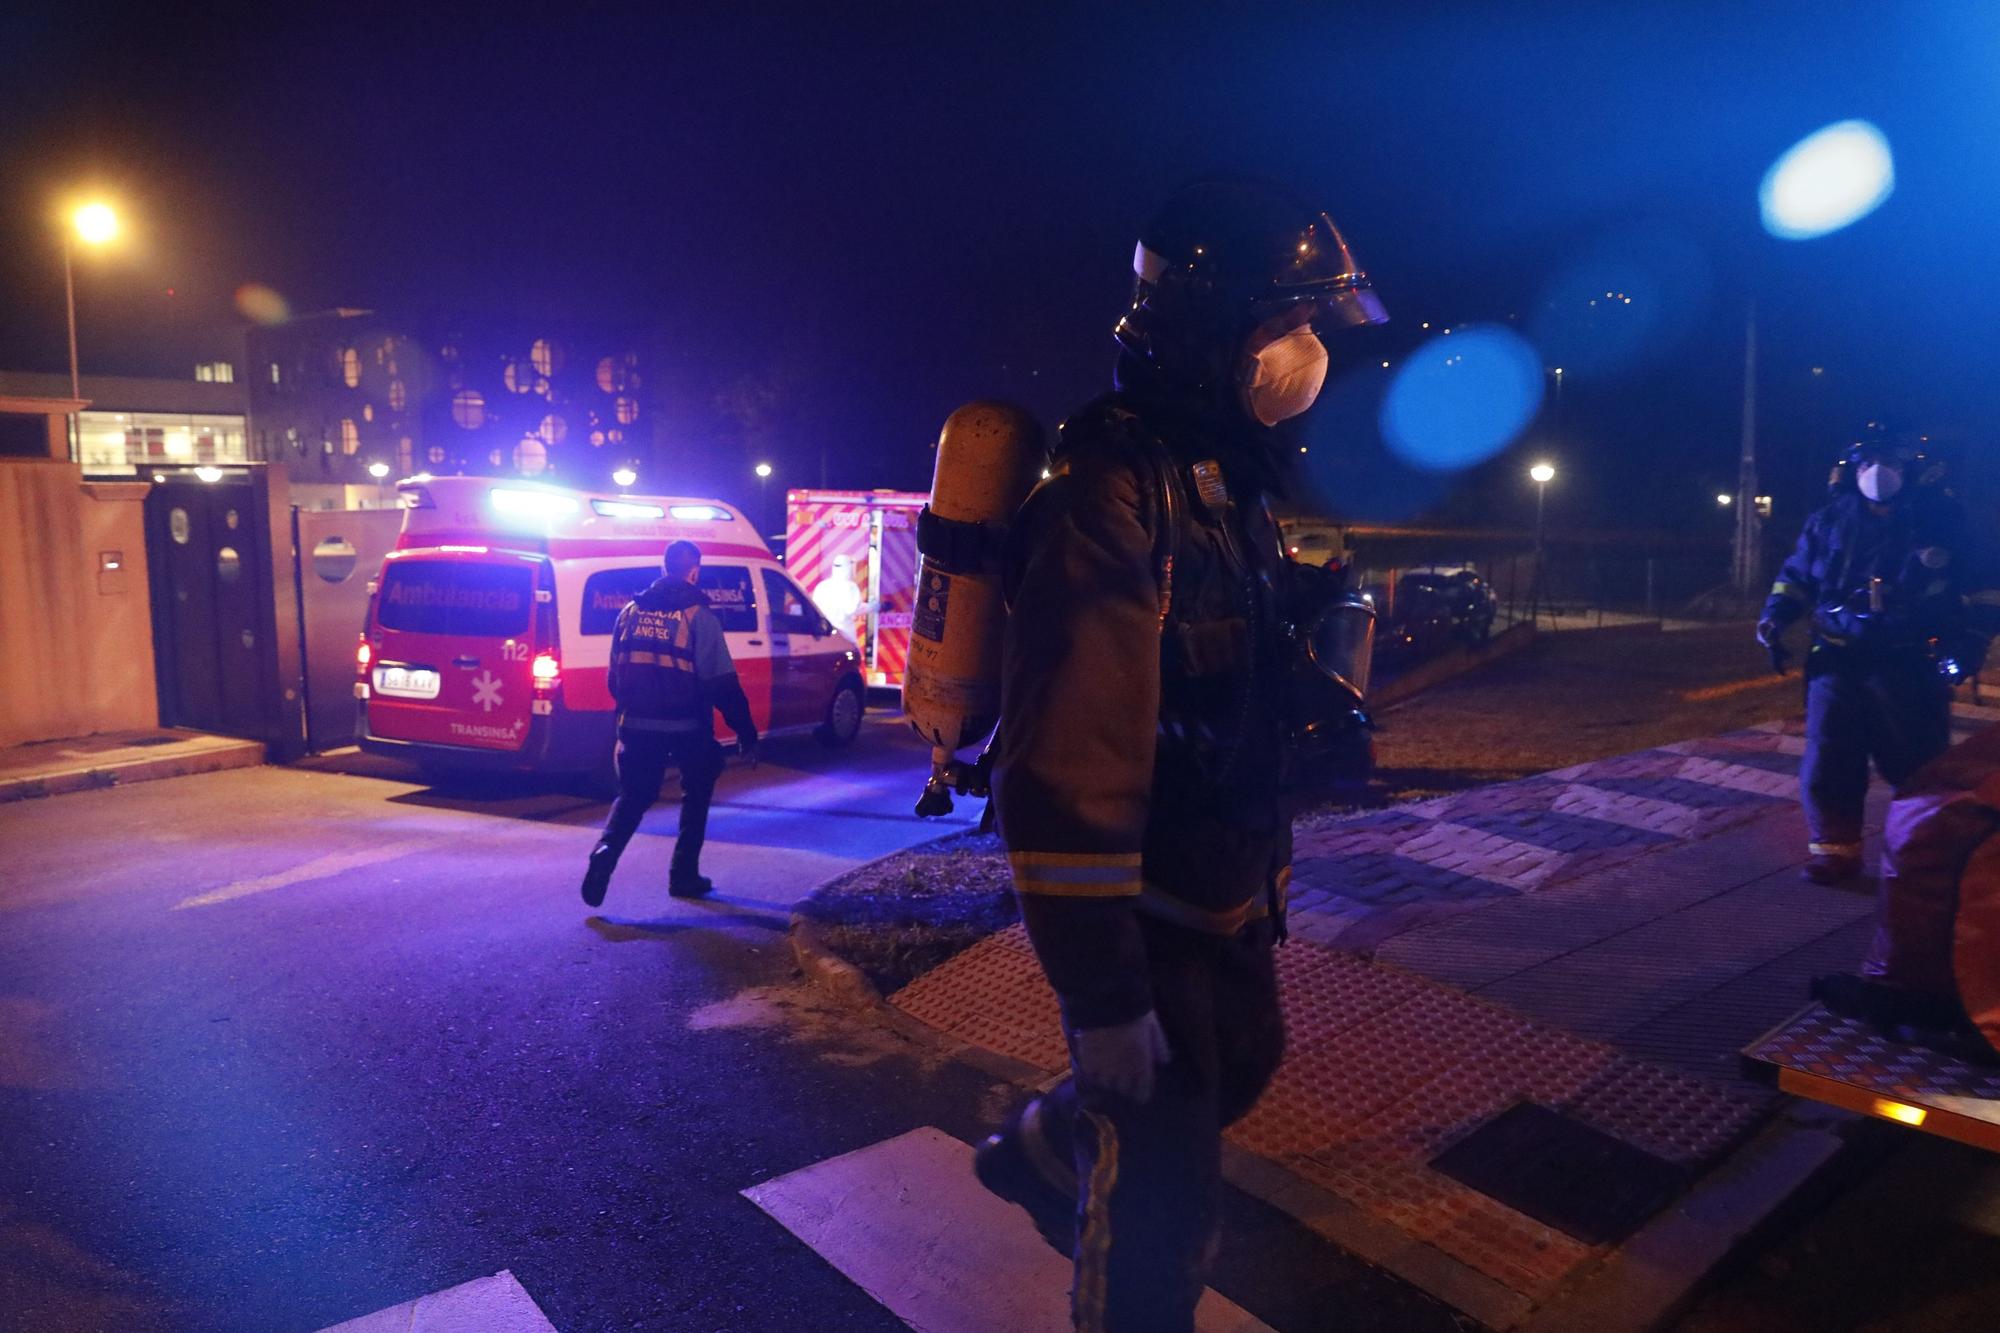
546,670
364,652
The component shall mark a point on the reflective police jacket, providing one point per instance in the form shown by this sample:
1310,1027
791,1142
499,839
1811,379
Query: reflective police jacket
1916,548
670,665
1137,763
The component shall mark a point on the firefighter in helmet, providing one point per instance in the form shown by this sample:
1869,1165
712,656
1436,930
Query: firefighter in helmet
1881,573
1138,763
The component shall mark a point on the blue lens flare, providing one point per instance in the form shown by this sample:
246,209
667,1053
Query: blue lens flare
1827,180
1461,398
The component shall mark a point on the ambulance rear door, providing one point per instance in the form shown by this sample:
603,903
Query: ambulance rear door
454,637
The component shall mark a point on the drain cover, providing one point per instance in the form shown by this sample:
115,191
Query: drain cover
1564,1173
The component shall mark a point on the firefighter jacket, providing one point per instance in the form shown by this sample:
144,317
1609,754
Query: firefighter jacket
1137,763
1879,582
670,667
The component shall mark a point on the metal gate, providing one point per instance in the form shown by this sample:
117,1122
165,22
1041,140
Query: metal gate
338,553
209,548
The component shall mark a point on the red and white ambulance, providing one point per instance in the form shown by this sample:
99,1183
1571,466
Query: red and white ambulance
489,626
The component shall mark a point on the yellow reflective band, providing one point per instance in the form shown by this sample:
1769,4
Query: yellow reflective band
1022,860
1788,590
1852,849
1077,874
1059,888
1093,1246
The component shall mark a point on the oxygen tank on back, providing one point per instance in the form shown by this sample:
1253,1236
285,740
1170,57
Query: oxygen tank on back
989,456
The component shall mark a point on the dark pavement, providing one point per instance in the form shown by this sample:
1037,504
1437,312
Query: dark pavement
280,1047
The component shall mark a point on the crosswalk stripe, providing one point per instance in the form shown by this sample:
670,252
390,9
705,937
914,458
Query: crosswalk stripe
907,1222
497,1304
320,867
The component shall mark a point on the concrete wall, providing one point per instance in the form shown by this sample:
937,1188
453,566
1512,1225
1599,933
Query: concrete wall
76,635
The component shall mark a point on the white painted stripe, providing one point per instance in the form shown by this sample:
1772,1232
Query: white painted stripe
1617,807
320,867
1738,777
1488,856
496,1304
908,1223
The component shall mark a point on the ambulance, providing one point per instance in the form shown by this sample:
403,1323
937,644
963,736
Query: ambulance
856,553
489,626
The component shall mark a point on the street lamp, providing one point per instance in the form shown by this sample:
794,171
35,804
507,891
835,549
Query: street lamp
1725,499
763,471
1541,474
95,224
624,477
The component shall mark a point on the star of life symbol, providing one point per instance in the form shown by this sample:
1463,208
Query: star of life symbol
486,690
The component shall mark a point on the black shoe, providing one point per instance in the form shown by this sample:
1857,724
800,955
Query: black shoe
690,886
597,878
1002,1165
1825,869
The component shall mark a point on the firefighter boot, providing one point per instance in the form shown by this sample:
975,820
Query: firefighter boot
1020,1165
597,878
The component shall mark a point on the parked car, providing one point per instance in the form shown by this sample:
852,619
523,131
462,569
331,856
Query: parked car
1465,598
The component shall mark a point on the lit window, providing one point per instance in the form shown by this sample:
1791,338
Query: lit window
274,372
611,375
531,457
399,397
468,408
368,411
435,453
552,429
350,367
519,377
493,457
627,410
350,436
406,456
545,356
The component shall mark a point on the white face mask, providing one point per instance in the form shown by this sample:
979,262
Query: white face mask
1285,376
1879,482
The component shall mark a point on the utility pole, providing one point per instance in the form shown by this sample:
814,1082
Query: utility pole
1745,574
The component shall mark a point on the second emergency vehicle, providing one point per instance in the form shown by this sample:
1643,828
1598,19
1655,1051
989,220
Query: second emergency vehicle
489,626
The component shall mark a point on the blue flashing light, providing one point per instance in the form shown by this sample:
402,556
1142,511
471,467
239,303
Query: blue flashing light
1460,400
1828,180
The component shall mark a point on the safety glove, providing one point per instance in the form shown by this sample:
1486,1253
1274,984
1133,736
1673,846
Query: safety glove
1121,1060
1772,635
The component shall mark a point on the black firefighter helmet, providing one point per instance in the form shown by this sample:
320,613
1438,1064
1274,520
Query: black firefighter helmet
1879,443
1223,257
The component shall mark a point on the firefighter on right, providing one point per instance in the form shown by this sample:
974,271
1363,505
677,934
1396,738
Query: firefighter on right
1880,574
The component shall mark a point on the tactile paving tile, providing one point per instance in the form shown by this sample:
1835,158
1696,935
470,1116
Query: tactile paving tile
1782,784
1817,1042
1673,1115
992,995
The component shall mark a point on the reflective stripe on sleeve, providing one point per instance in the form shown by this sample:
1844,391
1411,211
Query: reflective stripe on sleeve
641,657
1077,875
1789,591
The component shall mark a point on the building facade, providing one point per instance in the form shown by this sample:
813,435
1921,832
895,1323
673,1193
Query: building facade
341,396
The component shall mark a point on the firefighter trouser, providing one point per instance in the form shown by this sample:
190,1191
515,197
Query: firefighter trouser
1899,716
643,758
1150,1176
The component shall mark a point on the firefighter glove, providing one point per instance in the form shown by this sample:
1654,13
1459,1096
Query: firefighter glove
1121,1060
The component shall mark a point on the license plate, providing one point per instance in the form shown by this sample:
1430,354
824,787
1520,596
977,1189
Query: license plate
406,682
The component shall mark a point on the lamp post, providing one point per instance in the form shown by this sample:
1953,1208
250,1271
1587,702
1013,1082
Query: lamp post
1541,474
380,471
94,224
764,494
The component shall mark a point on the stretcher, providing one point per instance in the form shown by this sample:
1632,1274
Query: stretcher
1854,1065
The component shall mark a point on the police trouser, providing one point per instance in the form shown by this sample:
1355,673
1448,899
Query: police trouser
1896,713
643,758
1150,1176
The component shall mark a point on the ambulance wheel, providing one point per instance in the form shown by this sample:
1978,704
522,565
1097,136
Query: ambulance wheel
843,716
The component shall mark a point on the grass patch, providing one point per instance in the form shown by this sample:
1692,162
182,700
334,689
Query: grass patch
899,917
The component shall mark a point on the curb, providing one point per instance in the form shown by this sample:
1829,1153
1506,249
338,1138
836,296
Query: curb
1654,1277
247,754
837,978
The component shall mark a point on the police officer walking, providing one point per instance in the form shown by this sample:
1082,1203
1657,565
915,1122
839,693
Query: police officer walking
1880,573
1137,773
670,673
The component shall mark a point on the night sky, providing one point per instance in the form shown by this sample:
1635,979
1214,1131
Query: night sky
881,212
